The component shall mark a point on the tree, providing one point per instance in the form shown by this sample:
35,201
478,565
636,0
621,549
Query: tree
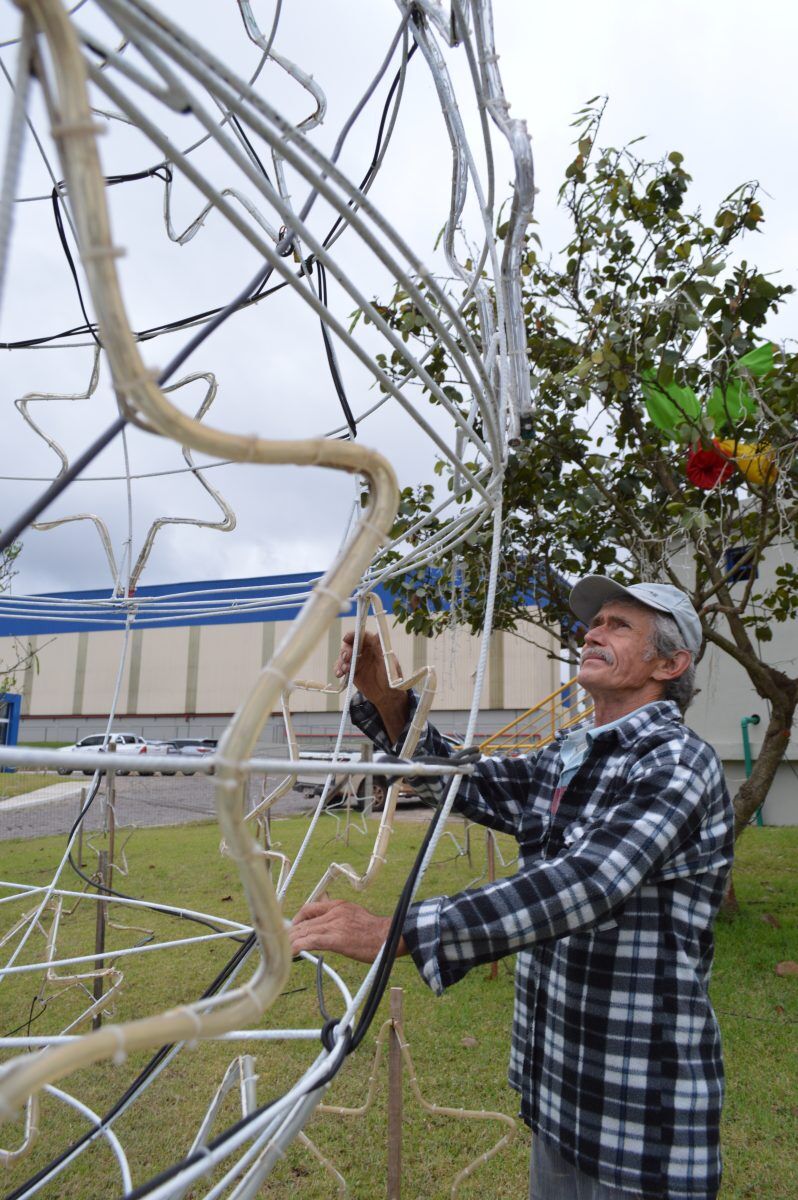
664,433
21,657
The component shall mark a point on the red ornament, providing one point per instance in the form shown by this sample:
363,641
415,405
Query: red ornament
705,468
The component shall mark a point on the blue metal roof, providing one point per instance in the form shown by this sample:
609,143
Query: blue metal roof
199,602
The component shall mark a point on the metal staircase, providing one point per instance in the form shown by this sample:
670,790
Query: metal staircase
538,725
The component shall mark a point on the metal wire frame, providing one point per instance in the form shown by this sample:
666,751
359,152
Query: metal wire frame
489,500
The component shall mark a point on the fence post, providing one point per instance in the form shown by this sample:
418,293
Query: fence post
395,1097
99,937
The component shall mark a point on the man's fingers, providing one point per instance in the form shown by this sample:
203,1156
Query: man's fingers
317,908
345,655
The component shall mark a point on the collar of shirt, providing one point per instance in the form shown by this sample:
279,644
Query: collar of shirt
577,742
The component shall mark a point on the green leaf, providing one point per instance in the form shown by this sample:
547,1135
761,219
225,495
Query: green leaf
710,266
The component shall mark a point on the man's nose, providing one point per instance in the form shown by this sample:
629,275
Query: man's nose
592,636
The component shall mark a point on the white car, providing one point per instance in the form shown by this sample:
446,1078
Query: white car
311,785
124,743
192,748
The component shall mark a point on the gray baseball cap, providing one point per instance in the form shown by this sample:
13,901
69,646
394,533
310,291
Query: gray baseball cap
590,593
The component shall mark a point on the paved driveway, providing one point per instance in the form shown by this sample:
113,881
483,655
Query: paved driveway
143,800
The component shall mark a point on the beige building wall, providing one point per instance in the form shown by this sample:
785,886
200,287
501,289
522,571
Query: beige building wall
530,675
100,665
164,675
211,668
51,686
228,665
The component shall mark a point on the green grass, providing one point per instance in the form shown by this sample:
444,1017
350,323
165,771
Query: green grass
43,745
459,1042
19,783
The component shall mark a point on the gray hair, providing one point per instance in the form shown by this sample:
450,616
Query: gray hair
666,640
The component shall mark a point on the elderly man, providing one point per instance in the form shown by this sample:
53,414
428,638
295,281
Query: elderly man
625,839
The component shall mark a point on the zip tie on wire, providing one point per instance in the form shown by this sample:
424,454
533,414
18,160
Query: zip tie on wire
78,129
343,601
98,252
120,1054
195,1018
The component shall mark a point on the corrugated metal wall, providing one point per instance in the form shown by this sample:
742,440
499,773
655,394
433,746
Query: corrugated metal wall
210,668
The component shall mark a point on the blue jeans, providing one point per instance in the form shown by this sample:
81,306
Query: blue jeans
552,1178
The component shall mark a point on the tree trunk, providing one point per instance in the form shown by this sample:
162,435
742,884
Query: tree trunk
752,793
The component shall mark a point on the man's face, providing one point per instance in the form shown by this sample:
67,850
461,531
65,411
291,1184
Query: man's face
614,653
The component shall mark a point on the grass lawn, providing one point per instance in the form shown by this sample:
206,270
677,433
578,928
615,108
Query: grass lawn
459,1043
19,783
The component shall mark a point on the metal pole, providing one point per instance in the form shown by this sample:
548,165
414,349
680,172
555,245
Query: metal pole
395,1097
99,938
749,761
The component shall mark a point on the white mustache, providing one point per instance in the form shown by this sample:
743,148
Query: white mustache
598,652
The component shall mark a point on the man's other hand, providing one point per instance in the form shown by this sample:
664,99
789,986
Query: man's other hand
371,678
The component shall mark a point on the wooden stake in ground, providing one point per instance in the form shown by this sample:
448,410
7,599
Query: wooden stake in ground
493,973
99,938
395,1097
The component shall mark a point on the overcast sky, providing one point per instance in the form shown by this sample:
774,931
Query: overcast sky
716,82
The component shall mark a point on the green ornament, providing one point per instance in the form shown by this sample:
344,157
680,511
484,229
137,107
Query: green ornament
669,406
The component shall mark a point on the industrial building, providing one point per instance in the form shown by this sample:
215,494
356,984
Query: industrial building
195,649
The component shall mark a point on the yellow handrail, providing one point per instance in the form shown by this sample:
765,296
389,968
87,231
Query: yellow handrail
540,724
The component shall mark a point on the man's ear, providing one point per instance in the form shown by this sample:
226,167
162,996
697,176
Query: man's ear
673,667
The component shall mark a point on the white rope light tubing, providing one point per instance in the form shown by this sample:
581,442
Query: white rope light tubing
73,128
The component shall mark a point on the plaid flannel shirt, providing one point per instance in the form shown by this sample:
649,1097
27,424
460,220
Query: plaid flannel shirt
615,1047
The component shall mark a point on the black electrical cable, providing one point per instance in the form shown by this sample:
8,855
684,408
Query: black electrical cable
321,276
366,180
59,225
141,335
58,485
162,171
26,1024
235,121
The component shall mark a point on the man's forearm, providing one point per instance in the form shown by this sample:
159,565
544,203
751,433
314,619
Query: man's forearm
394,709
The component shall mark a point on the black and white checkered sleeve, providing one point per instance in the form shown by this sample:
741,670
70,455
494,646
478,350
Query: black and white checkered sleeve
660,806
497,794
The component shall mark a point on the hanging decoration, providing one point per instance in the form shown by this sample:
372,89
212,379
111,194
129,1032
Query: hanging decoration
671,406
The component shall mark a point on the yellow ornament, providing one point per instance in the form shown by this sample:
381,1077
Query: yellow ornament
757,463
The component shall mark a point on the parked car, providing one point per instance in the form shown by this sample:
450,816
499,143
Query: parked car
124,743
193,748
312,785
